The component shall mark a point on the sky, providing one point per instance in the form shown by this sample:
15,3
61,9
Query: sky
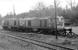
20,6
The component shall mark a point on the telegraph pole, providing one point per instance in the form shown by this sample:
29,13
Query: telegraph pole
55,19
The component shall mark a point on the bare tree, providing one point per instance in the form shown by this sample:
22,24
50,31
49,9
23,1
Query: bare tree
71,3
40,6
14,10
56,6
57,3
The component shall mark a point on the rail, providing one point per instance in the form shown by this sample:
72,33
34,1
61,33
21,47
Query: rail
43,44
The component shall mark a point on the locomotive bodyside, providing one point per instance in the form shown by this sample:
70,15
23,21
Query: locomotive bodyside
31,24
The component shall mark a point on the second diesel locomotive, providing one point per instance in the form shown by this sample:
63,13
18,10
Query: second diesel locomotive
34,24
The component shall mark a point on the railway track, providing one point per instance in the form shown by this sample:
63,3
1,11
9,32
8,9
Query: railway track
39,43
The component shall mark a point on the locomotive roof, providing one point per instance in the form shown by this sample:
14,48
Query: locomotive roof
31,18
35,18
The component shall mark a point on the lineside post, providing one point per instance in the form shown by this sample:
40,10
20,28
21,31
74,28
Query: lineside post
55,19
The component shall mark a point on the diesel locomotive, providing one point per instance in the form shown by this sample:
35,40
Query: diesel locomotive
34,24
